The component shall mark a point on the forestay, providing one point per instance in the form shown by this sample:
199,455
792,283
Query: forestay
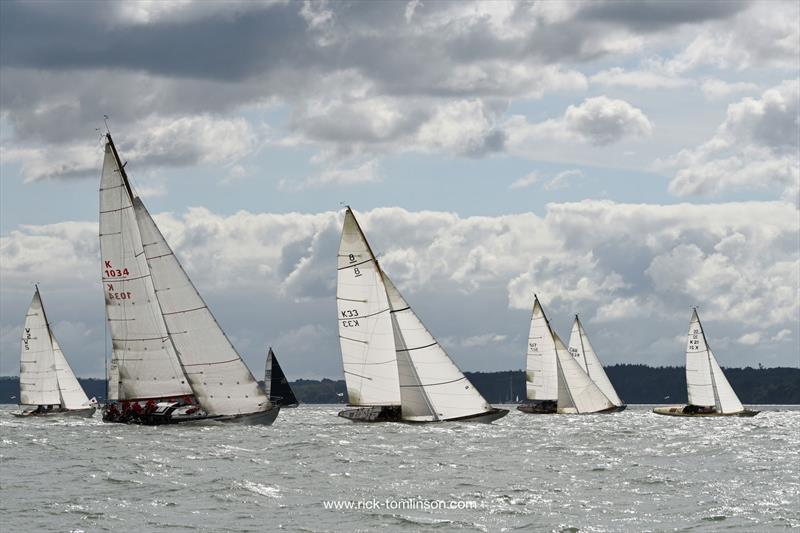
144,361
542,372
583,352
37,372
578,394
219,378
698,368
431,386
365,327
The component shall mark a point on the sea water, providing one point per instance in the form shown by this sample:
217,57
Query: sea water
312,471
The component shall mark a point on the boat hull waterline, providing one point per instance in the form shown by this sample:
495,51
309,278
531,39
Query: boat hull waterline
80,413
175,413
680,410
393,413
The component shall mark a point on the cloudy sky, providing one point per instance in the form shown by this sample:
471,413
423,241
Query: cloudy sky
625,161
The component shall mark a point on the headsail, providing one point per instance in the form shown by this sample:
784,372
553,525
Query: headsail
542,372
577,392
278,388
219,378
144,362
698,367
38,384
432,387
72,394
365,326
727,400
581,349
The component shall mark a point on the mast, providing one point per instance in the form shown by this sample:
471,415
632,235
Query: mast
52,345
120,167
583,348
708,357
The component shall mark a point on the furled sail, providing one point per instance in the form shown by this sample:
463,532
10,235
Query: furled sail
219,378
432,387
727,400
698,368
581,349
72,394
542,372
577,393
144,362
38,384
365,326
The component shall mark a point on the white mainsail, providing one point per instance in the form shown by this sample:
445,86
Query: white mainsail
698,369
432,388
144,362
542,372
72,394
577,393
38,384
268,374
581,349
727,400
366,335
219,378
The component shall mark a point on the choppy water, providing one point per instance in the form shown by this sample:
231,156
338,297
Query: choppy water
630,471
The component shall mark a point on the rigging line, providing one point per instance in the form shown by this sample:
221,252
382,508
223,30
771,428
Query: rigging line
357,375
403,309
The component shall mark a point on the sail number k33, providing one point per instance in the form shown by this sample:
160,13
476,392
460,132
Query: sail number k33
349,319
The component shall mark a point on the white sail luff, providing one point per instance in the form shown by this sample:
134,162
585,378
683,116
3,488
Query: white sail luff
366,335
699,384
221,381
727,400
581,348
38,384
435,379
143,357
542,372
268,374
72,394
584,396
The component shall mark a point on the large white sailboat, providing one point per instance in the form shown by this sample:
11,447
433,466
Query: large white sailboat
556,381
708,389
171,361
47,385
581,349
395,370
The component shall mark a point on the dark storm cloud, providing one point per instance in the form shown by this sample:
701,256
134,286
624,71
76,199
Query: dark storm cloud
655,15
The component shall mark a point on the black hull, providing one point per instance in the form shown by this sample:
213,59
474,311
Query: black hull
175,413
393,413
546,407
78,413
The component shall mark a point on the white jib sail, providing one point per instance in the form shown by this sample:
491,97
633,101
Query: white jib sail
727,400
366,336
219,378
72,394
38,384
431,385
143,357
583,352
698,367
582,394
542,373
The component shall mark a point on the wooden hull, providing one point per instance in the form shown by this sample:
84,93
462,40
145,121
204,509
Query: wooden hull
680,410
393,413
80,413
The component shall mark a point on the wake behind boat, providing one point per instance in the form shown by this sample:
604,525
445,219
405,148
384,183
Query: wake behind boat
47,385
171,361
710,393
395,370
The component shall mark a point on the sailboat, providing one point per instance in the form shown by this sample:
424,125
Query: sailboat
394,369
171,361
709,392
583,352
555,381
47,385
276,386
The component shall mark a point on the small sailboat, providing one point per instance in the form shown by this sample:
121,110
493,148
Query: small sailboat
556,382
276,386
47,385
171,361
583,352
395,370
708,389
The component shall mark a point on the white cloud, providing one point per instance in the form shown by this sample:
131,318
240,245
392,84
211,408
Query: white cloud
561,180
641,79
749,339
782,335
367,172
714,89
525,181
754,148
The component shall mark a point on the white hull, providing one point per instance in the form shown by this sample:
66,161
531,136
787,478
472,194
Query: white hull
680,410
